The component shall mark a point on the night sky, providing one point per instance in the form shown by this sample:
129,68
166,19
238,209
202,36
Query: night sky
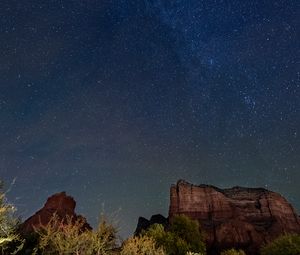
113,101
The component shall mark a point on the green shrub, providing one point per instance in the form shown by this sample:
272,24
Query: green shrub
182,236
141,245
288,244
233,252
188,230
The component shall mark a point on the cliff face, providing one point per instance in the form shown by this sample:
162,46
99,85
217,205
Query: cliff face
59,204
237,217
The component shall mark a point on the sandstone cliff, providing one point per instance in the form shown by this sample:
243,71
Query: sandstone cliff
236,217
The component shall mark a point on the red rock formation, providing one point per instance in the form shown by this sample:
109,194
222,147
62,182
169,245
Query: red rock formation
237,217
59,204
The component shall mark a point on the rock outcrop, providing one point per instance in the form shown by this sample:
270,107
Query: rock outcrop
144,224
60,204
237,217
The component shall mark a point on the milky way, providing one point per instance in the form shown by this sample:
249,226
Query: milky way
112,101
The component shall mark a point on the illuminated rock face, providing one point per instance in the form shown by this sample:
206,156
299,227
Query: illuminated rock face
60,204
237,217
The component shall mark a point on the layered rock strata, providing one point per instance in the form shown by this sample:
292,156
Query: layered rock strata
237,217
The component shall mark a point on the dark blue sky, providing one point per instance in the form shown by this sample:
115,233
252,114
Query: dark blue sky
112,101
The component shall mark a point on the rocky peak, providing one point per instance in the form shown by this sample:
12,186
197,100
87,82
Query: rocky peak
60,204
144,224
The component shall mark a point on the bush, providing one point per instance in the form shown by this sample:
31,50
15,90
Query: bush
188,230
69,237
141,245
161,237
8,225
182,236
288,244
233,252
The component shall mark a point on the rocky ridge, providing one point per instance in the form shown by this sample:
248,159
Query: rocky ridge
144,223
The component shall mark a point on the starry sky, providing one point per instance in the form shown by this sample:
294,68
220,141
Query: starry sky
113,101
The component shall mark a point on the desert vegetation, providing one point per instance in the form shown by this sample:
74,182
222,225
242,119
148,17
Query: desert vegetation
70,236
10,240
288,244
182,236
233,252
141,245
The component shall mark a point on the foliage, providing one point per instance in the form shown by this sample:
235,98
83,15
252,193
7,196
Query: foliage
69,236
182,236
30,244
8,225
288,244
233,252
141,245
188,230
